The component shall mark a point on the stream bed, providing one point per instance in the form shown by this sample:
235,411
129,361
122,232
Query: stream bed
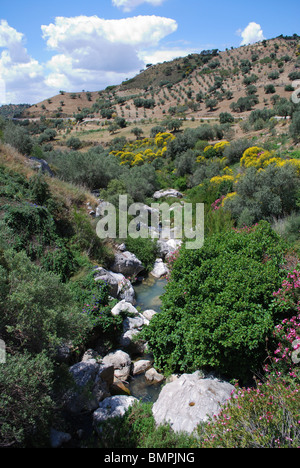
148,293
148,296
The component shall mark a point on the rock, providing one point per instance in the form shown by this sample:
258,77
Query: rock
119,286
121,363
190,400
119,388
124,306
100,210
153,376
58,438
167,193
127,292
92,380
127,264
40,165
112,407
149,314
64,352
89,354
141,366
132,326
113,280
159,269
150,209
167,247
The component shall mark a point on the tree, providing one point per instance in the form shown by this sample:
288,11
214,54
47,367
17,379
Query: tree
270,89
243,104
226,117
74,143
48,135
18,137
211,104
174,125
138,132
113,128
199,96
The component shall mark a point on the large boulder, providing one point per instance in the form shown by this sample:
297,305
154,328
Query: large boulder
127,264
141,366
132,326
112,407
153,377
124,306
58,438
159,269
92,384
190,400
113,280
149,314
166,193
40,165
121,363
119,286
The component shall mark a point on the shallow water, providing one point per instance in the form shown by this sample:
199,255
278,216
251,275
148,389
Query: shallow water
148,296
148,293
141,389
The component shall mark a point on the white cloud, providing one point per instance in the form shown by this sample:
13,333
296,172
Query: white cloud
92,51
69,34
21,75
128,5
164,55
251,34
88,53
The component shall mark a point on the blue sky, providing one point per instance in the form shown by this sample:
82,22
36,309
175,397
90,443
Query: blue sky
90,44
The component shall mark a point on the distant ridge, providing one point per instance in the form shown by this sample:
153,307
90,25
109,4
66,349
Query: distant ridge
196,86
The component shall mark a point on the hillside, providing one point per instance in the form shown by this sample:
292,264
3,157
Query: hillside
182,87
70,296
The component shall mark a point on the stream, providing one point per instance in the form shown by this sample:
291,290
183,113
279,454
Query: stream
148,296
148,293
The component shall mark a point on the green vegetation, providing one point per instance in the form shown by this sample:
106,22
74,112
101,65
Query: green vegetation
217,310
231,307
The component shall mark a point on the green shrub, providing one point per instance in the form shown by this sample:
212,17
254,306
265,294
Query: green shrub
267,194
144,249
270,89
61,260
25,401
93,300
74,143
39,312
236,149
295,75
226,117
92,169
18,137
217,309
32,226
137,429
85,238
40,192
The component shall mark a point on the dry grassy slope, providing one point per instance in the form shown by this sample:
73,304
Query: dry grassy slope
69,195
230,62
